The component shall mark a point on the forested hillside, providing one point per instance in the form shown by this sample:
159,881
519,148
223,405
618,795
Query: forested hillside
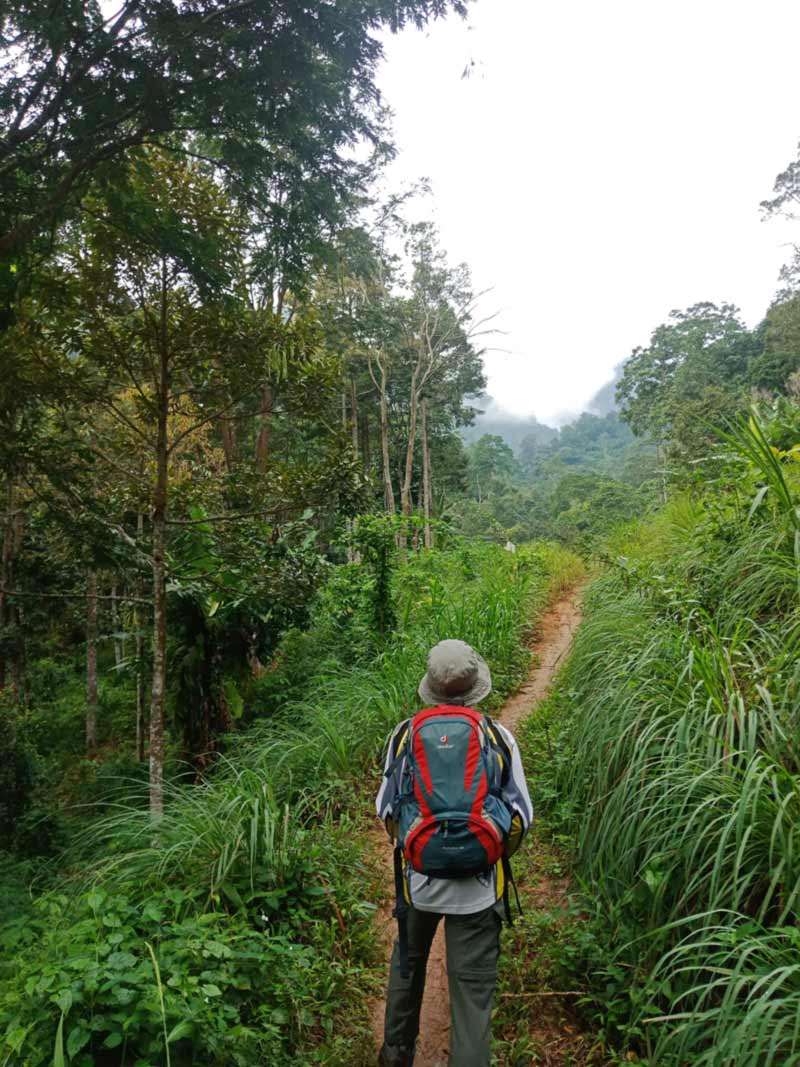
573,484
700,369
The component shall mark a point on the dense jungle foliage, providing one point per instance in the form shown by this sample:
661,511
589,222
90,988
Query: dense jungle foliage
238,931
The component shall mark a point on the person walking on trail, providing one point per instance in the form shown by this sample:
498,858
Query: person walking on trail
455,803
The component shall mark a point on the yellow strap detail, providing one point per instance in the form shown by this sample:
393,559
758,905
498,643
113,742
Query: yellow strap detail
406,893
498,753
515,834
501,880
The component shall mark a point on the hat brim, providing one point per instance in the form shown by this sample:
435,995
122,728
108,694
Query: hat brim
481,689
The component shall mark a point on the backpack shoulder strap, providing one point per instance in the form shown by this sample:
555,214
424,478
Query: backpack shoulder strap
501,747
396,747
400,738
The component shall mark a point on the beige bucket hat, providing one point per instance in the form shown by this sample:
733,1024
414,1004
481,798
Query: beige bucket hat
456,675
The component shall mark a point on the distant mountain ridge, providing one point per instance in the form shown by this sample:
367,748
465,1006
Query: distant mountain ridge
512,428
515,429
604,400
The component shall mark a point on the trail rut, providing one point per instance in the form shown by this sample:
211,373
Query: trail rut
553,639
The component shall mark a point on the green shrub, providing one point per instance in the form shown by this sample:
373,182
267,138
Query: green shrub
246,976
17,776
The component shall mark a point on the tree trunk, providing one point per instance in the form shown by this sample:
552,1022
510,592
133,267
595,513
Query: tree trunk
348,523
415,537
119,649
354,415
262,442
158,695
405,491
662,468
365,443
15,612
427,492
227,431
388,492
91,662
137,625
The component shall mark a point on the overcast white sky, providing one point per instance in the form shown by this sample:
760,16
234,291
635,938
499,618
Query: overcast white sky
603,164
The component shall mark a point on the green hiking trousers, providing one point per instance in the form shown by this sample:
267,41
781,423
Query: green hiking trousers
473,947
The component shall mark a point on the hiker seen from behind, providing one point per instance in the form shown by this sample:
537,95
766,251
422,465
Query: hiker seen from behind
455,803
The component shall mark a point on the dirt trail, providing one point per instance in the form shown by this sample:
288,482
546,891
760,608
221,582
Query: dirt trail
553,638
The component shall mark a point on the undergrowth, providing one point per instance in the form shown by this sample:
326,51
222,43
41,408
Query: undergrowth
238,930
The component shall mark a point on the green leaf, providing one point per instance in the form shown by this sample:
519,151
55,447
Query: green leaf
211,990
78,1036
233,698
217,949
113,1040
120,960
64,1001
762,492
152,912
58,1051
183,1029
95,899
231,893
15,1036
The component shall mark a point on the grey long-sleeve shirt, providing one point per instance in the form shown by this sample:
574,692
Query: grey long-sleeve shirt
456,896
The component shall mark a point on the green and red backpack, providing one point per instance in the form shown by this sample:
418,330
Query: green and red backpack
449,818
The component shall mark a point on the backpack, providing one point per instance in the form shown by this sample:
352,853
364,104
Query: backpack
451,819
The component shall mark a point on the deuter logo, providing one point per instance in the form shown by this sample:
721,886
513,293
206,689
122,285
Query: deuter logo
443,742
443,739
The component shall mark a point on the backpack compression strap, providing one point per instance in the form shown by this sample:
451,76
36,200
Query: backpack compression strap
395,757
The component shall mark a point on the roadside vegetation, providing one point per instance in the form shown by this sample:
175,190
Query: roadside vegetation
667,759
239,930
664,764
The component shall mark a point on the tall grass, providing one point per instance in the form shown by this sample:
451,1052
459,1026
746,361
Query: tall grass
284,773
679,765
